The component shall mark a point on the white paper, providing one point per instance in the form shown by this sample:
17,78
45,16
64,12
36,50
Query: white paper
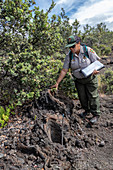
93,66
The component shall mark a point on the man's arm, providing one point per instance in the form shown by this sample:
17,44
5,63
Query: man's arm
61,76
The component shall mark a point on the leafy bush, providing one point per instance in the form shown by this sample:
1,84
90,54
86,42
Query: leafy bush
68,86
107,82
29,73
104,50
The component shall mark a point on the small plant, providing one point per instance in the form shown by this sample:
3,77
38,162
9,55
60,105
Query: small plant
35,117
4,114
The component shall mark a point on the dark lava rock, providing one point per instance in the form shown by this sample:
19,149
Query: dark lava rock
41,138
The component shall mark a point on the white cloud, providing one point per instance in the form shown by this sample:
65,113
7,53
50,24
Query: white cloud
102,10
89,12
62,2
110,19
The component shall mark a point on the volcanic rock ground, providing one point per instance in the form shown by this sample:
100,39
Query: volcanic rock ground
49,134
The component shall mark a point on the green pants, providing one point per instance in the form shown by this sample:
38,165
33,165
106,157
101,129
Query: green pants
87,89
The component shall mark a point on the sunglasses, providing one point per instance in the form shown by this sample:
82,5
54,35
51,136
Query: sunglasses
72,46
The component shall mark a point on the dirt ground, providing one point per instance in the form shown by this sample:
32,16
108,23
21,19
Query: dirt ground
100,154
37,144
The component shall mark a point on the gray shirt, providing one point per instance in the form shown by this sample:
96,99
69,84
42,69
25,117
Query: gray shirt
80,61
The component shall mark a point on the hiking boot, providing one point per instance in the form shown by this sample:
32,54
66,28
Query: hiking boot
94,119
84,114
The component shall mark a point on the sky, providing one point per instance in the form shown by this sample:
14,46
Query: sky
91,12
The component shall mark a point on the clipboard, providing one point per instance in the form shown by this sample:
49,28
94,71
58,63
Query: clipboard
96,65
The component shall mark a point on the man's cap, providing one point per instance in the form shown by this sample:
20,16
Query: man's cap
72,40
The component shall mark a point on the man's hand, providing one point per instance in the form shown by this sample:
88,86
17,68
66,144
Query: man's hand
61,76
95,72
55,86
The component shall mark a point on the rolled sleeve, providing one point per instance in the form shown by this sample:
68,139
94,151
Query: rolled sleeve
92,55
66,62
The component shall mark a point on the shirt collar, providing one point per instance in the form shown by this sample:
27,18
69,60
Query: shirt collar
81,49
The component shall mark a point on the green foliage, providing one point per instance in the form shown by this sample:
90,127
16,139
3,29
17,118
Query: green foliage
28,73
68,86
107,82
104,50
4,114
22,28
15,22
99,38
75,27
35,117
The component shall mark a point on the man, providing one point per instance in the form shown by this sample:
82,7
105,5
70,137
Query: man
86,87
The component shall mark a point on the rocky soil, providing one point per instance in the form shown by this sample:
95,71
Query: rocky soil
49,134
41,137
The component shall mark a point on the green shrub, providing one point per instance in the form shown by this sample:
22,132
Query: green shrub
29,73
107,82
104,49
68,86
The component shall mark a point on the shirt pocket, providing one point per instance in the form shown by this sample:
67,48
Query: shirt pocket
85,62
74,64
